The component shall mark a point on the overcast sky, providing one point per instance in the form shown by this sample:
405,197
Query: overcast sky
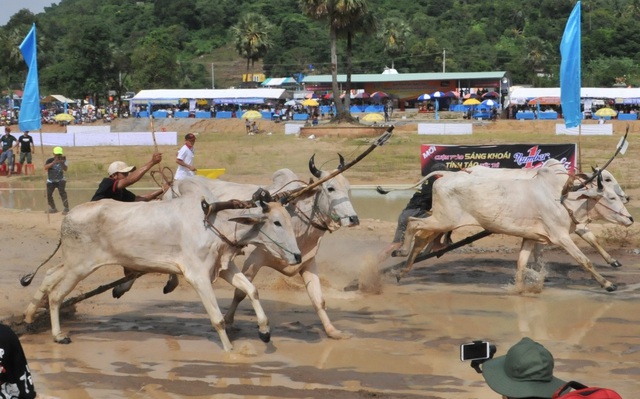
10,7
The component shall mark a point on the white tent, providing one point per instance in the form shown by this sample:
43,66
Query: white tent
57,97
219,96
520,95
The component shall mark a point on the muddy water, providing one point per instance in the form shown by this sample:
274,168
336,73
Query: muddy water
405,344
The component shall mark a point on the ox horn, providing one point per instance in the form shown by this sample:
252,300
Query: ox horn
312,167
341,166
600,186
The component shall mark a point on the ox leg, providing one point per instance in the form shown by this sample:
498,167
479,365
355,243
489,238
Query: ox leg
123,288
421,239
202,285
250,270
233,276
589,237
573,250
52,278
312,283
523,258
59,286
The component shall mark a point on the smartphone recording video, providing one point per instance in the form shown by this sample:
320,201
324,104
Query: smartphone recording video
476,350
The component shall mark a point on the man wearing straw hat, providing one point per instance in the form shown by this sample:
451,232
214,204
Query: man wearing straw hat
185,158
122,176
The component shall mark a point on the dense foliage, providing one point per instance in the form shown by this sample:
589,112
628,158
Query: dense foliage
88,47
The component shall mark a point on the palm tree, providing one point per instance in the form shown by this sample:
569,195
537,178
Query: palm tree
252,38
394,34
340,14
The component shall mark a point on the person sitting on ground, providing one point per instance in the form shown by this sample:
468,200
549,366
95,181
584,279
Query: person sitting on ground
525,372
122,176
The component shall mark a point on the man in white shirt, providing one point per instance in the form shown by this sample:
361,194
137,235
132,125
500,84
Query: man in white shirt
185,158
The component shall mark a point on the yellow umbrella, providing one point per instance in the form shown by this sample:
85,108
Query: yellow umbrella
252,115
310,102
471,101
606,112
373,117
63,118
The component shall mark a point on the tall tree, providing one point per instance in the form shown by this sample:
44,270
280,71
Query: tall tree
394,34
338,14
252,38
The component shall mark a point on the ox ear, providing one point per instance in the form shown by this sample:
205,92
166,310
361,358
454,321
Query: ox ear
205,206
249,219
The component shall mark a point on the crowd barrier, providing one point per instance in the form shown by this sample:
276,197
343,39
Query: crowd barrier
586,130
445,128
105,139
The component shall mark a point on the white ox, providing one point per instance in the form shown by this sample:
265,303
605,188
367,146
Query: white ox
582,214
326,211
526,208
173,237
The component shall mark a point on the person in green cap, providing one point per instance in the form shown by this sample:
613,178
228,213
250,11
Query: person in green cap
56,167
525,372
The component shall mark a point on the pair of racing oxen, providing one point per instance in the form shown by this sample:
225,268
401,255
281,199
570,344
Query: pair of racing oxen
201,226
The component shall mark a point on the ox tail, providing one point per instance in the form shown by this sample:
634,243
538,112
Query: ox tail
383,191
26,279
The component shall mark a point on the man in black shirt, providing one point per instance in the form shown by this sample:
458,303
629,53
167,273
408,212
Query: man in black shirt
26,148
15,377
418,206
122,176
9,144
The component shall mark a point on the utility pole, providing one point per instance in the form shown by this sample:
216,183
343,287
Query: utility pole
444,60
213,85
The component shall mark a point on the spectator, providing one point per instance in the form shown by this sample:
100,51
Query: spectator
15,378
185,158
26,148
526,371
9,144
56,167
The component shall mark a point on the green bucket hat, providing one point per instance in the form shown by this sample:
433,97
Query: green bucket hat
525,371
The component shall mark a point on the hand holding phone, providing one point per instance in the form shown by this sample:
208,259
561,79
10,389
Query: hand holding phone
477,350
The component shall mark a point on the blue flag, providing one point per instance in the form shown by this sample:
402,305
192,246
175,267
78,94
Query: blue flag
29,117
570,79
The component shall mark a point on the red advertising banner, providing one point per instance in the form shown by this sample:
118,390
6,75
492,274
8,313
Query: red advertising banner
519,156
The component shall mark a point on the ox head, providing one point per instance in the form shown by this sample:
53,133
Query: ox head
332,200
606,203
270,228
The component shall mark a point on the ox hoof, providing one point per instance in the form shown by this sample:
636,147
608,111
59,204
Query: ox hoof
265,337
397,253
172,284
611,288
117,293
63,341
615,263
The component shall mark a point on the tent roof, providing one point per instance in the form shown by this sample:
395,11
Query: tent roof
57,97
404,77
520,95
279,82
166,96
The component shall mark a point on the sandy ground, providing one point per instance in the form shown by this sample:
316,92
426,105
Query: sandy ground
405,337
